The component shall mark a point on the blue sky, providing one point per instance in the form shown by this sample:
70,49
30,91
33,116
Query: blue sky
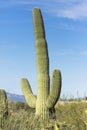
66,33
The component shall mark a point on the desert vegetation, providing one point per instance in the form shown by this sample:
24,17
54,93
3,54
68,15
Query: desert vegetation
69,115
42,112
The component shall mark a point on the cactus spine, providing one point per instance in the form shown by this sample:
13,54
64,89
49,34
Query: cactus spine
46,98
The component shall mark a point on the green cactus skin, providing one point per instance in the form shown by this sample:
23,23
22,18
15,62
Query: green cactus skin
30,98
55,89
3,99
3,107
3,96
46,99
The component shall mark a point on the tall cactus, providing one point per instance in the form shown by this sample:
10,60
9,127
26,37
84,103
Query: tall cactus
46,98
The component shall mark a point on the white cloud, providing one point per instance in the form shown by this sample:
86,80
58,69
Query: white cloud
71,9
76,11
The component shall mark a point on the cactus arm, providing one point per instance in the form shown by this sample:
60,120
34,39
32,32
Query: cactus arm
55,89
30,98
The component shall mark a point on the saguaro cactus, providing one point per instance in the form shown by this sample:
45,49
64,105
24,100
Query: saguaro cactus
3,106
46,98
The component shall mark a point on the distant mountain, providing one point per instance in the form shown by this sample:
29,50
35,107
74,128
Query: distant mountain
15,97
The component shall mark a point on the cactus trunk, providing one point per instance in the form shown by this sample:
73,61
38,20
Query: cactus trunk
42,64
41,109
